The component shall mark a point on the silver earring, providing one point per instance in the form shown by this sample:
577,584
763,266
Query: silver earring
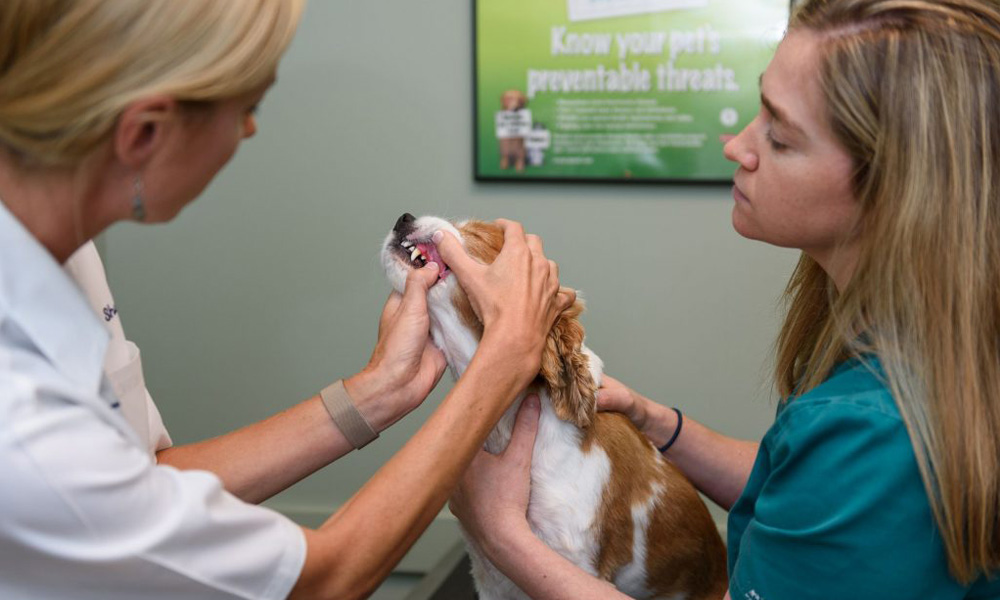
138,206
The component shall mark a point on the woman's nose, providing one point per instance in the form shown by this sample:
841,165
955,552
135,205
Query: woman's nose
739,151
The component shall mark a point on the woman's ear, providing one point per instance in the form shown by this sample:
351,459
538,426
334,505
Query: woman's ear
566,370
142,129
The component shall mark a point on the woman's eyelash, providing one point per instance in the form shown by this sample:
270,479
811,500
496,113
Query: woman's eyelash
774,143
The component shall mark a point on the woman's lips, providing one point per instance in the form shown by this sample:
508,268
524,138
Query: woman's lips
738,195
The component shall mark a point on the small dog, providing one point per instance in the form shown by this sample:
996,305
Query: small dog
512,148
601,494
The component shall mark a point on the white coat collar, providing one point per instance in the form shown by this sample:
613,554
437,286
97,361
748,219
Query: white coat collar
44,302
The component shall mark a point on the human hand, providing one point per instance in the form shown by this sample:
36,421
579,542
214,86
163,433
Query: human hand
517,297
491,500
615,396
405,365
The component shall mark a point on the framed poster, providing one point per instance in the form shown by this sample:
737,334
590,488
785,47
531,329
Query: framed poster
616,90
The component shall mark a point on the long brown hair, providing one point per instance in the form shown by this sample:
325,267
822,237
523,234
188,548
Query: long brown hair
913,92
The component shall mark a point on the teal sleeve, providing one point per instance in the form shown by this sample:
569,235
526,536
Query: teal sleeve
839,512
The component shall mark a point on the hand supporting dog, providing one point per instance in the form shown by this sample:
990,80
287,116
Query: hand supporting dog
617,397
405,365
492,496
718,465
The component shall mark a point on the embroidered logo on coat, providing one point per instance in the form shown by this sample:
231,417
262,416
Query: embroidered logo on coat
109,312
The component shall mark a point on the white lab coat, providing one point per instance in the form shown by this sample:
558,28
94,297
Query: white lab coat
85,512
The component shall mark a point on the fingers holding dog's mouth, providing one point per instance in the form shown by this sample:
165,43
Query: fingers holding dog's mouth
416,254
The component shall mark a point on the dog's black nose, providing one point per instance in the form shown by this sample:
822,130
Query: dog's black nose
403,223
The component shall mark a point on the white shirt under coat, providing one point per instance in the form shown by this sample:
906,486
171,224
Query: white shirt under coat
85,511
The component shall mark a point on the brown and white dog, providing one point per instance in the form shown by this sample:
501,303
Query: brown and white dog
601,494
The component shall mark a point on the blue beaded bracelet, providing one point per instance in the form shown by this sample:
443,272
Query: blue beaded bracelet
677,432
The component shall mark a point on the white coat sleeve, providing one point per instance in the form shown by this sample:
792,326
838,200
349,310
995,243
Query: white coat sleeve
86,513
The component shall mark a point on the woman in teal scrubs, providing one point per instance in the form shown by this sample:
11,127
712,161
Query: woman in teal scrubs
877,153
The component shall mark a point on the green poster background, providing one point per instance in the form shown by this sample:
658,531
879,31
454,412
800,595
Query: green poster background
701,66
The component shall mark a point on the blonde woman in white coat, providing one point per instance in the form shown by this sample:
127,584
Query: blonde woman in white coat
115,110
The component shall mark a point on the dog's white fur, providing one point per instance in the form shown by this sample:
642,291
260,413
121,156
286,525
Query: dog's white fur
567,482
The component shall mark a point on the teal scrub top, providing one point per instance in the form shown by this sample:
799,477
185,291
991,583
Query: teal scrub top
835,507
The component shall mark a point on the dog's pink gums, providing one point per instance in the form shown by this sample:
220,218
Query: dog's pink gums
430,251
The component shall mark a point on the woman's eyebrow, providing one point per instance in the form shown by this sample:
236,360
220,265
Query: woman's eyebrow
777,113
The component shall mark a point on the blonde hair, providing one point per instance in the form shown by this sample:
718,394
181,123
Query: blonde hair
69,67
913,92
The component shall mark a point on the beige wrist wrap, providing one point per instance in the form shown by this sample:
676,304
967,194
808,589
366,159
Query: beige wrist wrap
345,415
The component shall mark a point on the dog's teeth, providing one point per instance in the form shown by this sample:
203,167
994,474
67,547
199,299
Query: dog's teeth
415,254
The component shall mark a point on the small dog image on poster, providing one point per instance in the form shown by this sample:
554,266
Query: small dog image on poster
513,124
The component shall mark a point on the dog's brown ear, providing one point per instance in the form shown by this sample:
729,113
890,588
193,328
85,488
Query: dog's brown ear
566,370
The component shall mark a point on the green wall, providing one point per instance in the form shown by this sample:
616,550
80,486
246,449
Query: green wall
269,286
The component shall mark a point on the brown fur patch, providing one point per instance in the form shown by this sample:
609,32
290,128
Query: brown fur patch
483,241
685,553
684,550
566,370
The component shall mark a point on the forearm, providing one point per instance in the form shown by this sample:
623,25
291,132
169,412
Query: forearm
540,572
262,459
718,465
358,547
